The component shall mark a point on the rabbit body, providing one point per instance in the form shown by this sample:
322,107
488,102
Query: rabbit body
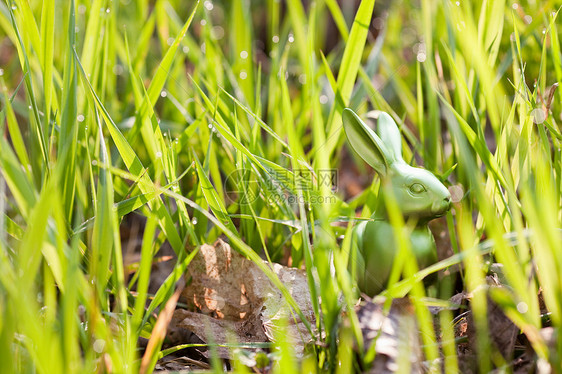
416,191
376,252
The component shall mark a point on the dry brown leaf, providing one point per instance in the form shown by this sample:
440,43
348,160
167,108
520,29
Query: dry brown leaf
503,332
219,283
229,294
159,330
221,331
395,336
275,307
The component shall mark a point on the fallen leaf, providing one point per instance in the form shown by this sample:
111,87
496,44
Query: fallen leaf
395,336
229,294
219,283
503,332
159,332
275,307
221,331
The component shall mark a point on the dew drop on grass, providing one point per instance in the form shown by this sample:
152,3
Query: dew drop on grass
117,69
217,32
458,3
99,345
163,94
323,99
291,38
185,49
80,118
81,9
528,19
275,39
208,5
302,78
194,221
522,307
1,72
108,10
515,6
243,55
538,115
203,22
94,162
378,23
419,47
170,41
457,192
14,7
158,154
243,75
421,57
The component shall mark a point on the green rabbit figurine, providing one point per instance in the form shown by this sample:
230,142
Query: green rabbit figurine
417,192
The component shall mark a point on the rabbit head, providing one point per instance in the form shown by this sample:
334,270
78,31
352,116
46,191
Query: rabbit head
417,191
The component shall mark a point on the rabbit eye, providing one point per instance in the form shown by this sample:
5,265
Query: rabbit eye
417,188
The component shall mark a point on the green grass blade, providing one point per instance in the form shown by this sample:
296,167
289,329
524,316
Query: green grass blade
349,68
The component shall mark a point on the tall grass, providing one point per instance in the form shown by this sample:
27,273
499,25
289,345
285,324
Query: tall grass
163,108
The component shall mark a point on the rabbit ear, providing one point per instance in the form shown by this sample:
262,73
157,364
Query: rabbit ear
390,136
365,142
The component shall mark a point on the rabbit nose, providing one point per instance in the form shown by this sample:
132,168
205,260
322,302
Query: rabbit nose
439,207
